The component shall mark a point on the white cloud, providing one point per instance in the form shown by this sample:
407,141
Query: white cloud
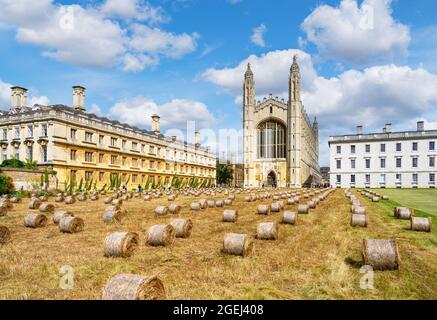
174,114
5,97
95,109
92,36
134,9
357,34
258,35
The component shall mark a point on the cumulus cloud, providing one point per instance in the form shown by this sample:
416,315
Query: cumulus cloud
92,36
357,34
174,114
5,97
258,35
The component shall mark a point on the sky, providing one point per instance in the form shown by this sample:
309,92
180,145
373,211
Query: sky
366,62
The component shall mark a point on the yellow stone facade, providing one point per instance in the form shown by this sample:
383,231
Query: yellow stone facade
81,145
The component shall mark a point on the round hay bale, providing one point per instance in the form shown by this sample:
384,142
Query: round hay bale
248,199
117,202
126,286
94,197
359,220
290,201
35,220
70,224
219,203
82,197
375,199
211,203
112,214
275,207
421,224
358,210
296,199
107,200
303,209
385,197
312,204
43,198
182,227
47,207
380,254
263,209
70,200
237,244
289,217
161,211
171,198
174,208
121,244
5,235
16,200
228,202
404,213
275,198
34,203
195,206
203,203
267,231
230,216
59,198
58,215
160,235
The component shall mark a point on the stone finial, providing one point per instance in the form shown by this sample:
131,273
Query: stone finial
156,123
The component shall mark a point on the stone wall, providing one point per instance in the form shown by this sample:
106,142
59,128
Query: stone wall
27,179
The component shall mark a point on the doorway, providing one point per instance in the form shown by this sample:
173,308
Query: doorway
271,179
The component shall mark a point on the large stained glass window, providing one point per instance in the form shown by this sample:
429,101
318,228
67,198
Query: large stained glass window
271,140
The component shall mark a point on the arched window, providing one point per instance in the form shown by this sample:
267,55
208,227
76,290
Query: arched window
271,140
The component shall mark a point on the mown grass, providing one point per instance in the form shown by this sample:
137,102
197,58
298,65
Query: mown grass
319,258
423,200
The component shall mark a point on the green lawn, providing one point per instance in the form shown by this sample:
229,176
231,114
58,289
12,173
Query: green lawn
424,200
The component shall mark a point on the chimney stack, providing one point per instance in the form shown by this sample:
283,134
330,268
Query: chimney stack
18,97
388,128
420,126
156,123
79,98
197,139
359,129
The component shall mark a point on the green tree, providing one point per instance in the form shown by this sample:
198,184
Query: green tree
12,163
6,184
224,174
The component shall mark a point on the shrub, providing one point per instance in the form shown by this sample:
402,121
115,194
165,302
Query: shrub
12,163
6,184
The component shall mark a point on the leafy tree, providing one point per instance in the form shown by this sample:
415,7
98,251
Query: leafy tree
224,174
32,165
12,163
6,184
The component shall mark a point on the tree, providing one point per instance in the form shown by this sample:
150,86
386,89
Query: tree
6,184
12,163
224,174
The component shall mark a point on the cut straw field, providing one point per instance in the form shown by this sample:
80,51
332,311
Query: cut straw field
318,258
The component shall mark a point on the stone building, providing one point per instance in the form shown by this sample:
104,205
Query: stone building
280,144
77,145
387,159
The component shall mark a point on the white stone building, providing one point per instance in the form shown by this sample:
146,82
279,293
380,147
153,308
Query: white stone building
384,160
281,144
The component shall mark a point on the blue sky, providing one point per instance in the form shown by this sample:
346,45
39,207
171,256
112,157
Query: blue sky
184,59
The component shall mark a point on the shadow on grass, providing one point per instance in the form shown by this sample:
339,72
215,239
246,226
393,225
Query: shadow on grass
356,264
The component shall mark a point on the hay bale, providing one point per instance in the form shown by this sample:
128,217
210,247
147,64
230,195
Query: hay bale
16,200
290,201
230,216
174,208
112,214
211,203
171,198
70,224
303,209
121,244
94,197
263,209
182,227
195,206
43,198
219,203
358,210
385,197
47,207
421,224
5,235
289,217
161,211
59,198
248,199
70,200
125,286
359,220
267,231
312,204
228,202
82,197
296,199
34,203
35,220
237,244
117,202
160,235
275,207
107,200
375,199
58,215
380,254
403,213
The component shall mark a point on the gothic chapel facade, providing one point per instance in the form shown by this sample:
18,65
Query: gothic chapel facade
281,146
